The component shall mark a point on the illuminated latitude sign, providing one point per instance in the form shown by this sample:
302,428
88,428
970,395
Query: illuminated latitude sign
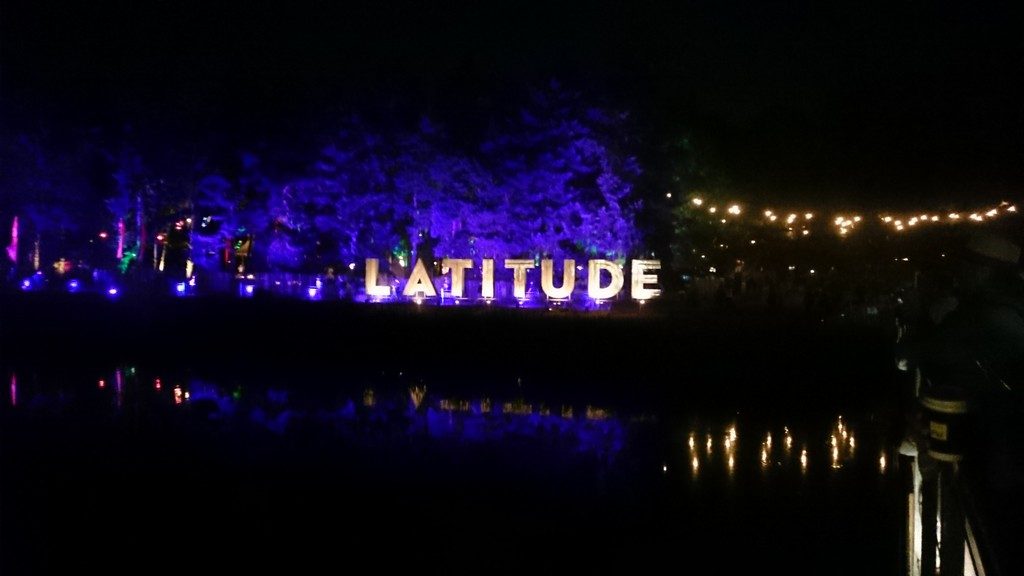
599,286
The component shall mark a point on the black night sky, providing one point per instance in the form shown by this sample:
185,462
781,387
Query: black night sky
866,104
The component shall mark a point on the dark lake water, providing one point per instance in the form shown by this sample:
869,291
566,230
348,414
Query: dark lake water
719,452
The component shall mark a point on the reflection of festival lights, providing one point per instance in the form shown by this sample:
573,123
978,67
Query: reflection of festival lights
803,458
694,463
692,442
881,462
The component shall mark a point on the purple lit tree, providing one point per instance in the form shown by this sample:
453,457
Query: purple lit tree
564,183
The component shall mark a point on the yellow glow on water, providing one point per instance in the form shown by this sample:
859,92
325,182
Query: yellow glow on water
694,463
732,462
881,462
768,440
835,457
833,442
764,456
803,458
728,443
732,433
709,444
692,441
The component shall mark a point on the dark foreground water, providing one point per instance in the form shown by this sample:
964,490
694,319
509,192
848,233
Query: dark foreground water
444,443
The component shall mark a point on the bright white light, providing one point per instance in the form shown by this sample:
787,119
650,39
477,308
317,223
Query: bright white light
773,218
790,218
805,232
692,442
839,220
697,201
112,291
991,213
668,195
664,468
712,210
886,219
767,213
808,216
812,270
734,209
753,241
935,218
695,463
1011,209
351,265
954,216
881,462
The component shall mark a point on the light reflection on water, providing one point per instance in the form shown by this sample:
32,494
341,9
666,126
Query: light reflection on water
589,429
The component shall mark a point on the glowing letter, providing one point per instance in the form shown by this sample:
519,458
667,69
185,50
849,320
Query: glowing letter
371,280
419,281
457,266
594,288
638,289
487,278
519,276
568,278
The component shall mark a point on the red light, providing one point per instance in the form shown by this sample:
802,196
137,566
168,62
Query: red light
103,384
156,384
103,235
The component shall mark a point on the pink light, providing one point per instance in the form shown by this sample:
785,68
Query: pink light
12,248
103,384
120,238
14,390
177,395
156,384
103,235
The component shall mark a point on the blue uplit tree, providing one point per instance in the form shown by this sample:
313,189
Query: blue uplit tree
564,182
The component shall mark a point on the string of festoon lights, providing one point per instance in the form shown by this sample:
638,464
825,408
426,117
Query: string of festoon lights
845,223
